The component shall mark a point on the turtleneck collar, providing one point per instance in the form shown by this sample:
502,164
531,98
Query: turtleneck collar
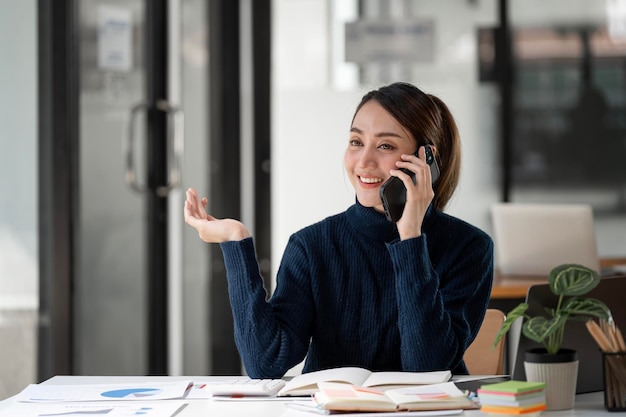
370,223
374,225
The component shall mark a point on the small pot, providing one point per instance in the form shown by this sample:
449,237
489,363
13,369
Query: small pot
541,355
559,371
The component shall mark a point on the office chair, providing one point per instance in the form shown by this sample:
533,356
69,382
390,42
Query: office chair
480,358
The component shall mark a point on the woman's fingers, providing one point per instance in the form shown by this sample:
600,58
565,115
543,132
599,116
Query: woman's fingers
194,206
209,228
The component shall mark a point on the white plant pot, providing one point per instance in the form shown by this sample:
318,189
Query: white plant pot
559,372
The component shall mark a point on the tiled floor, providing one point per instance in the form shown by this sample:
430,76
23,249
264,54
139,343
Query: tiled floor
18,355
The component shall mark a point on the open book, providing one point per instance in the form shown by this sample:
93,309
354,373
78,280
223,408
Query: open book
307,384
335,396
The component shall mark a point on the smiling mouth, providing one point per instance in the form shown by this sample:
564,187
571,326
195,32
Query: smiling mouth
370,180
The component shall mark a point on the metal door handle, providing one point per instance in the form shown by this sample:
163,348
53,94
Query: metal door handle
175,140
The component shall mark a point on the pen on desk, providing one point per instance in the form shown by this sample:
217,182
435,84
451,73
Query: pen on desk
471,395
243,398
308,408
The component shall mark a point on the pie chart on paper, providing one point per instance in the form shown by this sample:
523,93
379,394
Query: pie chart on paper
132,393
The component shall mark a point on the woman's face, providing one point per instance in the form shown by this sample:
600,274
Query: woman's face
376,142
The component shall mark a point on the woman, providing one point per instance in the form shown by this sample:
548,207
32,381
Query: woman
356,289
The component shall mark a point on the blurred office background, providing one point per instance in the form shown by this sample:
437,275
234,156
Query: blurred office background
99,274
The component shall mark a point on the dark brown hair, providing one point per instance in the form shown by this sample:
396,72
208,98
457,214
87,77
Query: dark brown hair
429,121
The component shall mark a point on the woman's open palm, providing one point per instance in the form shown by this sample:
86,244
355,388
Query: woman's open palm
211,229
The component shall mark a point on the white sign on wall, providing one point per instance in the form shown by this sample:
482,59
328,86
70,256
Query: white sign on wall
115,47
616,19
369,41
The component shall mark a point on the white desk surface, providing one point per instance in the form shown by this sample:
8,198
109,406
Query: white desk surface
587,405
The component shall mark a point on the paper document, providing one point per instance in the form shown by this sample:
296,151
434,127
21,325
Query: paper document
104,392
108,409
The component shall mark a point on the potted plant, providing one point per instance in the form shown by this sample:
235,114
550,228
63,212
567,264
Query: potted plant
569,282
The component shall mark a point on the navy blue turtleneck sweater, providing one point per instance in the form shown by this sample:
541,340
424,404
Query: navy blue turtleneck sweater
350,293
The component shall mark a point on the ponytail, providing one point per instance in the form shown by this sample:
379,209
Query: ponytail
448,155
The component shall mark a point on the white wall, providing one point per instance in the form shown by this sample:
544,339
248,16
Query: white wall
311,114
311,117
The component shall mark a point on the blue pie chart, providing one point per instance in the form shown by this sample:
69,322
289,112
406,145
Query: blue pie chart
131,392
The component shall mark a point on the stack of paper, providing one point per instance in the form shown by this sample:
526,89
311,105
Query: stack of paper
513,398
134,399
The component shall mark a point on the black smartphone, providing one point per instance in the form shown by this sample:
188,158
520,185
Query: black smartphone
393,192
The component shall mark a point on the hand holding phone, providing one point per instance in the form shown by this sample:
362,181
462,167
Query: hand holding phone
393,191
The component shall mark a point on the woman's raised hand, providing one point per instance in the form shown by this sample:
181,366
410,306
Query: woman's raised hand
418,195
210,229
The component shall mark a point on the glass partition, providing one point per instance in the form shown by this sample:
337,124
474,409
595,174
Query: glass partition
19,267
569,102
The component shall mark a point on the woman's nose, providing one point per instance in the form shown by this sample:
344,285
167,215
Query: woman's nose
367,158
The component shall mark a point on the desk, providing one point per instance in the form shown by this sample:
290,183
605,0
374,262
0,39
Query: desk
506,287
587,405
513,287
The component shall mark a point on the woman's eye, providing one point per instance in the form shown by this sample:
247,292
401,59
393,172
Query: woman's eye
386,147
355,142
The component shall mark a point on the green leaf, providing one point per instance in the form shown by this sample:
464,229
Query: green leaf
589,307
539,328
573,279
513,315
568,282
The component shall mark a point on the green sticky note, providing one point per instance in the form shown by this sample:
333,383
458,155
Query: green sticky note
513,387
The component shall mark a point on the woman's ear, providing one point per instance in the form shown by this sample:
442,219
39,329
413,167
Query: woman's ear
430,151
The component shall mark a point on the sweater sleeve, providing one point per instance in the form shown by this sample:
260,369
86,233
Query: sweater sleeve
271,336
448,300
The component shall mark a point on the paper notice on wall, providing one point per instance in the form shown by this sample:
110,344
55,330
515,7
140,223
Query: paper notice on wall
616,19
369,41
115,41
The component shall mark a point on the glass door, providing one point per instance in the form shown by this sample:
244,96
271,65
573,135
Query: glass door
119,269
128,289
111,258
130,144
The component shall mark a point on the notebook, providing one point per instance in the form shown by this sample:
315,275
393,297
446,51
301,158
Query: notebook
531,239
611,291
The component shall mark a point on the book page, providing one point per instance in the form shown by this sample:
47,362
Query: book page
434,396
339,396
406,378
306,384
425,393
344,397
